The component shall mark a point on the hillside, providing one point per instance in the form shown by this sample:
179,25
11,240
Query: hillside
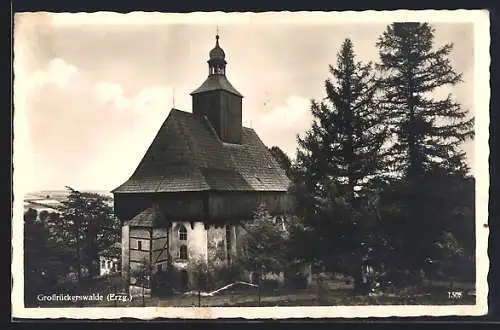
58,194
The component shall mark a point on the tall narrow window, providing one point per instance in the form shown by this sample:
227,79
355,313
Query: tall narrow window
139,245
183,233
183,252
228,243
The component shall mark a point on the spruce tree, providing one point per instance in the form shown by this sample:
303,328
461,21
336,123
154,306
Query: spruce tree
344,146
429,132
337,160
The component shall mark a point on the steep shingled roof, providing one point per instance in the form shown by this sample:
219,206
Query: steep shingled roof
150,217
187,155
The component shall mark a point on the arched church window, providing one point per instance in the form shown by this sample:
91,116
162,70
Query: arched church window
183,254
183,233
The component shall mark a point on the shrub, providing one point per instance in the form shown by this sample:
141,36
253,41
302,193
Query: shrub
270,285
296,280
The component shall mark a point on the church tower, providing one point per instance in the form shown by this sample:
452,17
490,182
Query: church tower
218,101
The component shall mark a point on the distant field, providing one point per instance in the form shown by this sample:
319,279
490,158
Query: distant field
56,195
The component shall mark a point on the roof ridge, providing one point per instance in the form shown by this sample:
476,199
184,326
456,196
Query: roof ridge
179,110
212,128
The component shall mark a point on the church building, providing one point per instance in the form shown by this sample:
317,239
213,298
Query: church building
201,178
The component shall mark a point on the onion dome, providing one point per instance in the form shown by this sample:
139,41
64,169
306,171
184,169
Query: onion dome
217,53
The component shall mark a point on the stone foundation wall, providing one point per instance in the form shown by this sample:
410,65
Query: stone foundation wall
125,254
216,245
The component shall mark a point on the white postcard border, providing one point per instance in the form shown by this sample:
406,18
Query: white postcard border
480,19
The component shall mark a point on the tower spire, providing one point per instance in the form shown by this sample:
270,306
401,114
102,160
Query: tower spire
217,62
173,98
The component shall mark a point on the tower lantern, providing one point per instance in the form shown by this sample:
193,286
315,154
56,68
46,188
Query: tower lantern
217,62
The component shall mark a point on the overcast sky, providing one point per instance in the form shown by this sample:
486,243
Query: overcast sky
94,94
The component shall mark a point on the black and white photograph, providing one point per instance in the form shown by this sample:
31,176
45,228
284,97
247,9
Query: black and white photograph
309,164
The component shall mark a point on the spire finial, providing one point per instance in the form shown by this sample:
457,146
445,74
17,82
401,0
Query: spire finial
217,35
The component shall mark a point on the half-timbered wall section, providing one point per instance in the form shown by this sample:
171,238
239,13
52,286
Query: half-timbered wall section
148,247
160,249
140,248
